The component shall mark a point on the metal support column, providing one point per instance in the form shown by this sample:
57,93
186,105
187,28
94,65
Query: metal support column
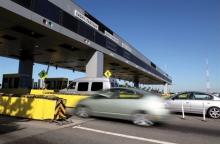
25,71
166,91
136,83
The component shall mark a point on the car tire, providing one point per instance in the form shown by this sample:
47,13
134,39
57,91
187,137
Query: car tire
82,112
140,119
214,112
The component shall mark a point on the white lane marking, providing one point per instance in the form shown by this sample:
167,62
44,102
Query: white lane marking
123,135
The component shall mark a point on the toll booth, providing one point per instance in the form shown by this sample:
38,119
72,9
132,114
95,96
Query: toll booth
56,84
14,81
35,85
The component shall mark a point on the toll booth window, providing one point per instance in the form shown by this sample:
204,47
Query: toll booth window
47,9
100,39
83,86
126,54
72,85
96,86
86,31
10,83
114,84
16,82
5,83
111,45
69,22
24,3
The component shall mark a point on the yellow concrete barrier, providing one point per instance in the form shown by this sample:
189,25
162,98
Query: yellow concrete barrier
71,99
28,107
41,91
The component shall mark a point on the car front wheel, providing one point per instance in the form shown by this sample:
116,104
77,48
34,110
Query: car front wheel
141,120
82,112
214,112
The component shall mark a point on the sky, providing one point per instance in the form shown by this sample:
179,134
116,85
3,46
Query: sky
179,36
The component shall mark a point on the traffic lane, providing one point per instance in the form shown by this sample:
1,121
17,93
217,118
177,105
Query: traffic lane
78,136
13,128
190,130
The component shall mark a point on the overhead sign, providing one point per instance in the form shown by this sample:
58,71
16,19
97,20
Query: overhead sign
108,74
42,74
111,37
86,20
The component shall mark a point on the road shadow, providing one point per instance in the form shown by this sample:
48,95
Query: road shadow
11,108
9,124
189,129
166,126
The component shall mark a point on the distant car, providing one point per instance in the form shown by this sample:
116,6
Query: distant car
216,94
195,102
141,107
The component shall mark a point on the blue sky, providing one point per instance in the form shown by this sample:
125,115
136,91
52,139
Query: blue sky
177,35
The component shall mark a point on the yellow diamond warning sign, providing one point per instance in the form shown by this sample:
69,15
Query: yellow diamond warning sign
108,74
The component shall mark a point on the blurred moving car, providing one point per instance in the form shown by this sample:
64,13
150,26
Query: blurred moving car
195,102
143,108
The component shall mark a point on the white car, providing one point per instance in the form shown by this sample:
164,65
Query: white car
89,85
143,108
195,102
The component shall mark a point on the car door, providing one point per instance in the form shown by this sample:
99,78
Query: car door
100,104
176,102
118,105
124,104
200,100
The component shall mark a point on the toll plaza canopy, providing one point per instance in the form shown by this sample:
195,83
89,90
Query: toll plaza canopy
60,33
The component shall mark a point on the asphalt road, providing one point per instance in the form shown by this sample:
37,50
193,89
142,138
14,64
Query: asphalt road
192,130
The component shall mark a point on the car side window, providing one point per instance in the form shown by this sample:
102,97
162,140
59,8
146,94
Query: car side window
183,96
111,93
201,96
83,86
128,94
117,93
96,86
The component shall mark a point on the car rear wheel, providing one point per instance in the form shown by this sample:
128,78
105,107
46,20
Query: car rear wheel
82,112
141,119
214,112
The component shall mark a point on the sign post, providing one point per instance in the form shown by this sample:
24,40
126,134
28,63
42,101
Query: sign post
183,113
204,112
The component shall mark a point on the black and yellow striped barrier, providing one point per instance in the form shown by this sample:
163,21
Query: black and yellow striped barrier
60,110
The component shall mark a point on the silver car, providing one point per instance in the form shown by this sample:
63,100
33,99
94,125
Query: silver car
141,107
195,102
